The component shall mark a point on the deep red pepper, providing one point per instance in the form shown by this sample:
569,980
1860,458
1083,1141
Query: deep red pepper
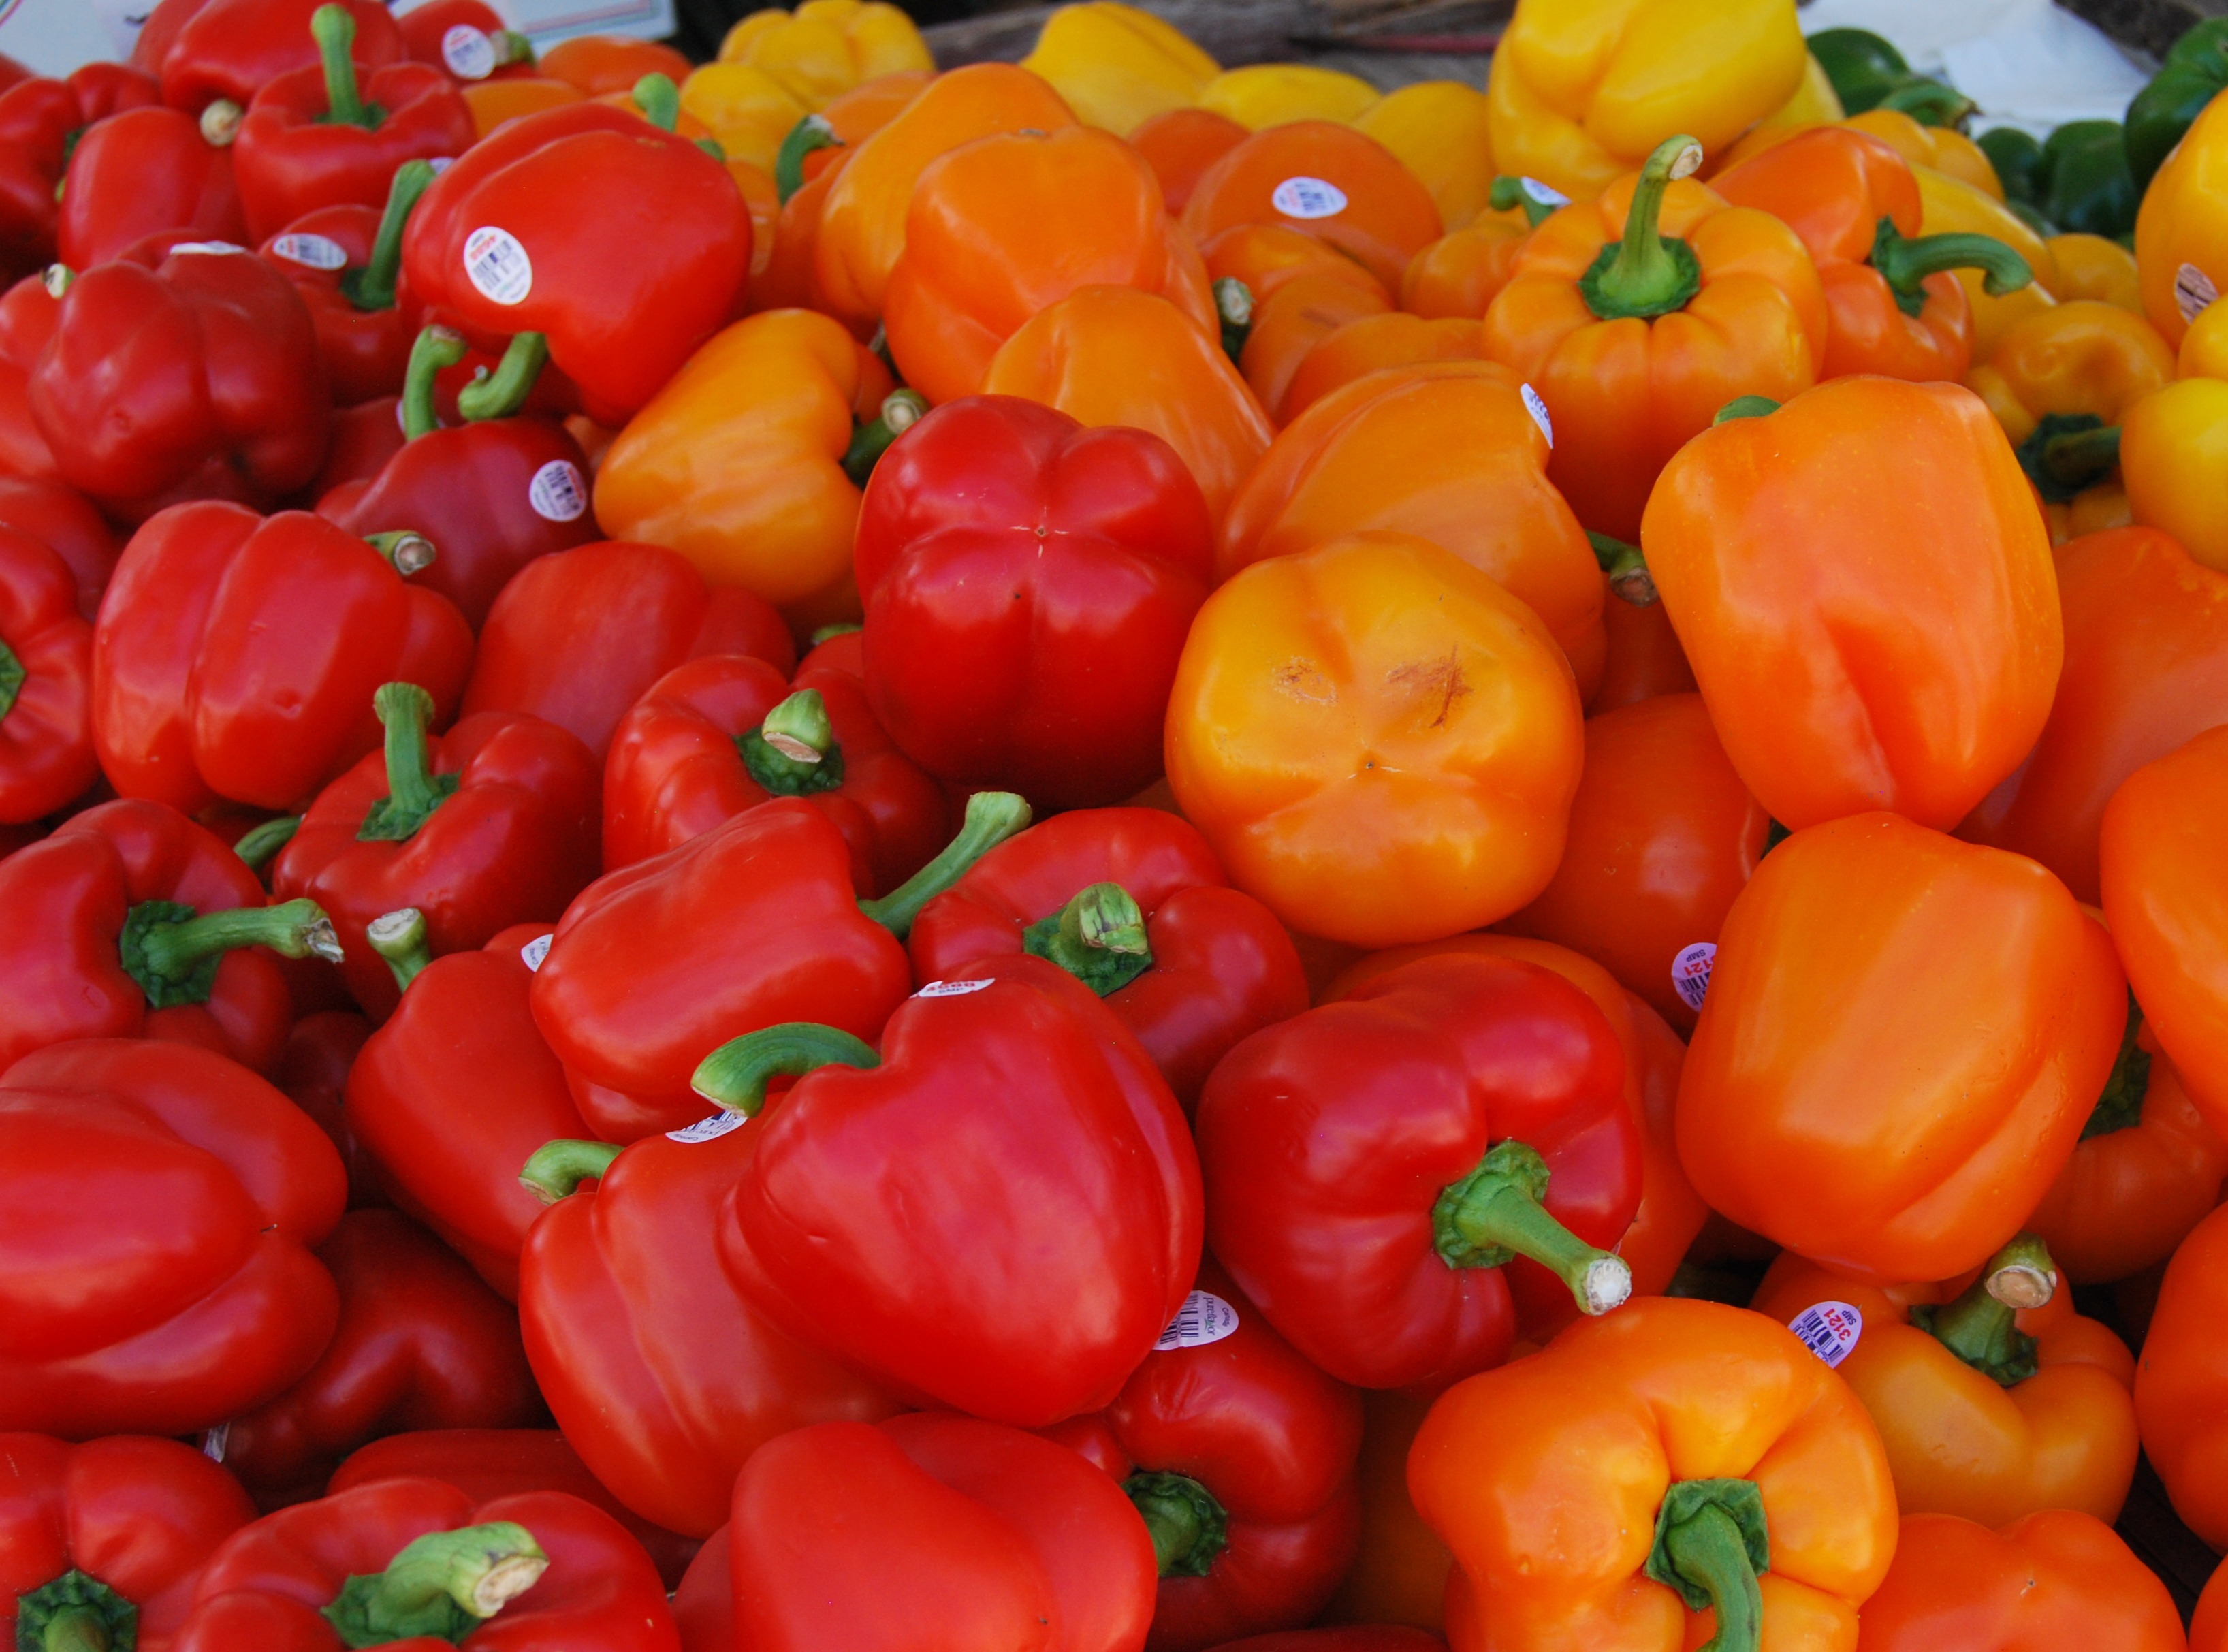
165,1283
1029,584
130,921
1015,1118
346,262
41,124
1133,903
67,525
365,437
1376,1167
313,1070
1361,1638
401,1560
147,170
46,688
468,38
110,1533
724,733
236,655
28,311
230,50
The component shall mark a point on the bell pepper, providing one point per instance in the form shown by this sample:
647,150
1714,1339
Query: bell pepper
1380,742
663,1377
166,1283
2089,266
1674,1457
719,735
345,261
1370,1637
1993,1401
1825,708
1937,148
1263,95
2090,188
1328,181
2181,232
1132,902
236,655
1181,144
812,149
2181,1379
1441,131
1954,1142
1289,322
1645,659
497,102
827,47
1263,256
2191,73
1867,73
1400,1575
421,1343
41,123
418,1559
600,64
228,50
2146,668
1117,66
750,460
225,397
66,524
1952,205
1459,273
1371,344
2170,442
749,113
28,311
313,1069
468,39
103,1540
1450,451
129,921
1625,398
46,668
578,636
2057,1578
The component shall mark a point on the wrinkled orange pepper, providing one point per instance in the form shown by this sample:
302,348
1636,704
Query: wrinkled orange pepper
2181,1382
1265,256
1181,144
1371,344
1291,319
1459,273
1327,180
496,100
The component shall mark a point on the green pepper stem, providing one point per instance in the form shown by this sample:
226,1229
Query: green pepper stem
405,552
992,817
74,1612
1707,1547
798,727
1648,272
659,99
1929,103
558,1168
371,287
442,1585
1743,407
1905,262
2120,1104
1493,1214
413,790
1234,307
2083,458
76,1628
1187,1523
735,1076
11,678
829,633
504,392
434,349
1509,192
259,843
334,30
1627,568
1978,1325
901,409
296,929
809,134
400,937
1098,937
793,752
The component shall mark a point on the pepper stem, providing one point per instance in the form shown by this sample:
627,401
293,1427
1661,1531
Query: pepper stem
1627,569
434,349
11,678
659,99
1646,273
900,410
1743,407
405,552
504,391
2067,453
333,28
793,752
77,1629
1098,937
992,817
1904,263
1494,1215
220,123
1711,1542
1930,103
76,1612
413,790
1187,1523
1509,192
1979,1326
2120,1106
1234,307
810,133
371,286
260,843
174,954
839,628
735,1075
400,937
558,1168
444,1585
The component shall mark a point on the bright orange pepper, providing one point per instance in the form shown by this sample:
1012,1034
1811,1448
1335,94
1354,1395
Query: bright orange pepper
1835,1097
1008,225
1994,1399
2208,1629
786,282
1401,1574
1670,1439
1292,318
1458,274
1645,657
1944,148
600,63
1371,344
1181,144
494,101
763,201
1899,649
2181,1383
1446,451
1265,256
1327,180
1379,740
2089,266
1637,317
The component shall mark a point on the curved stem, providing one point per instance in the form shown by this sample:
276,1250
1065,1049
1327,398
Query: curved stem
1648,272
1627,569
1098,937
992,817
809,134
735,1076
1978,1325
2120,1105
443,1585
1930,103
400,937
1905,262
901,409
11,678
558,1168
371,287
1711,1542
434,349
334,30
1493,1214
659,99
1187,1523
413,790
173,954
259,844
504,391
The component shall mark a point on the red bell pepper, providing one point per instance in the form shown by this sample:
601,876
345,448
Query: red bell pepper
346,261
418,1563
313,1070
490,825
579,637
147,170
108,1535
28,311
752,925
492,494
157,1276
230,50
421,1343
1009,1119
724,733
132,922
236,655
46,691
63,520
365,437
41,124
1378,1168
468,38
1133,903
1029,585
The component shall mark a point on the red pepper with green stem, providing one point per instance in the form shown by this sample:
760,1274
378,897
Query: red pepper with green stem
228,50
46,691
346,261
144,170
41,123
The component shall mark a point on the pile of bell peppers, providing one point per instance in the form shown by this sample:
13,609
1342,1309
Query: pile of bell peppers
800,855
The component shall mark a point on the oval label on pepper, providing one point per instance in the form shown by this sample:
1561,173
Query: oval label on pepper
211,247
534,950
1308,198
708,1129
2193,291
1538,409
1545,193
469,54
310,251
496,265
214,1440
1204,1318
1690,973
950,989
1830,1329
556,492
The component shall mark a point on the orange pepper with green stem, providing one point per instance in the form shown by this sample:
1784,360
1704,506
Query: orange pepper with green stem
1645,659
1263,256
2181,1383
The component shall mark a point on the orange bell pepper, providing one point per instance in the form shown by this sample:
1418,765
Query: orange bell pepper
1835,1097
1637,317
1662,838
1008,225
1447,451
1942,147
1645,659
1328,181
788,279
1899,649
819,142
1400,1575
1458,274
2089,266
1114,355
2208,1628
1265,256
863,223
1288,322
2181,1385
1993,1400
494,101
600,63
2146,668
2052,1581
1668,1458
1371,344
1380,741
1181,144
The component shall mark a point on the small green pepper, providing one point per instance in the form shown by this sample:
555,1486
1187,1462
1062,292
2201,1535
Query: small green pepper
2195,70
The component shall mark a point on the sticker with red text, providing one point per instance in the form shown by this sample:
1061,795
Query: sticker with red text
496,263
1828,1329
950,989
708,1129
310,251
1690,973
469,54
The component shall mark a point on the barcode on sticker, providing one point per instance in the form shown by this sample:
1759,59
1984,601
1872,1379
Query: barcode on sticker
310,251
214,1440
1828,1329
1538,409
1308,198
950,989
2192,291
1690,973
498,264
708,1129
469,54
1204,1318
557,493
1545,193
534,950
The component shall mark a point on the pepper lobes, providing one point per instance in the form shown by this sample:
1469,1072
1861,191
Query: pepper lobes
42,121
46,662
144,171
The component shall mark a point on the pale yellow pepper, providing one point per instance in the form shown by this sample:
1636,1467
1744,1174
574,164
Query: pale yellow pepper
1942,147
743,106
1440,130
1118,67
1949,205
2204,353
826,46
1276,94
2174,453
2181,232
2089,266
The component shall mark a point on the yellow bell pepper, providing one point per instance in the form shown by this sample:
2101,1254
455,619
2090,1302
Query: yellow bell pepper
1949,205
1440,130
827,47
744,107
1118,67
1276,94
2173,452
2181,233
2204,352
2089,266
1814,103
1942,147
1583,90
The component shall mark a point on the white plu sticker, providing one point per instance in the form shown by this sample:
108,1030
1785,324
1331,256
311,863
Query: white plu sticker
2192,291
534,950
1538,409
205,247
1204,1318
1828,1329
1545,193
1308,198
441,163
496,264
1690,973
708,1129
557,493
214,1440
469,54
950,989
310,251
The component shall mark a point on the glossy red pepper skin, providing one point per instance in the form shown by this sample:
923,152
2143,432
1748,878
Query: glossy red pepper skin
168,1284
27,314
1222,966
1029,584
1327,1140
636,245
140,172
431,33
40,121
292,158
232,48
365,351
365,437
66,524
139,1515
313,1070
46,687
264,1586
236,655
